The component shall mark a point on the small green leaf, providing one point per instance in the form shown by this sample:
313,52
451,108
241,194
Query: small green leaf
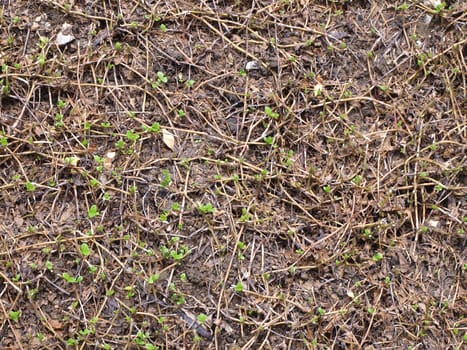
206,208
239,287
14,315
270,113
378,257
3,141
161,77
93,212
30,187
202,318
84,249
269,140
152,279
131,135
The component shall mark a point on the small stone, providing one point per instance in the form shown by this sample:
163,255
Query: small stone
251,65
65,36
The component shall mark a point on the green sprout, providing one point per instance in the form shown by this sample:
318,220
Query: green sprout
30,187
269,140
377,257
3,141
132,135
270,113
92,211
84,249
202,318
61,104
166,179
206,208
161,77
152,279
239,287
14,315
245,215
70,279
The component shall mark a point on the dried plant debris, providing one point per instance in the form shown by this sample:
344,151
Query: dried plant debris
233,174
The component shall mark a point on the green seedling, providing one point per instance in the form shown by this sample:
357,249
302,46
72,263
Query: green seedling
270,113
154,278
206,208
245,215
166,179
84,249
130,291
440,7
70,279
377,257
367,233
61,104
132,135
357,180
162,78
92,211
239,287
178,299
30,187
43,41
404,6
202,318
120,144
269,140
14,315
183,277
71,342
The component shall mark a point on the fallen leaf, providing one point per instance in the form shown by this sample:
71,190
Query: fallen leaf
55,324
168,138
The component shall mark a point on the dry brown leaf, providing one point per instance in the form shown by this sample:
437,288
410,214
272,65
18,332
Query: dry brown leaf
168,138
55,324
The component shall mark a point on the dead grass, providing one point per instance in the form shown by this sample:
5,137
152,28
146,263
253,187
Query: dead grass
233,175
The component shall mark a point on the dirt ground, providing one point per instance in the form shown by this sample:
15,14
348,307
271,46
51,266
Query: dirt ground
281,174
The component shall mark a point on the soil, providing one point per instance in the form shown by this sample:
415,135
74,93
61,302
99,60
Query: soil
283,174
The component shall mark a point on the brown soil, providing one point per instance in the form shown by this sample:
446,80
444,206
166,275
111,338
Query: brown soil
283,174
